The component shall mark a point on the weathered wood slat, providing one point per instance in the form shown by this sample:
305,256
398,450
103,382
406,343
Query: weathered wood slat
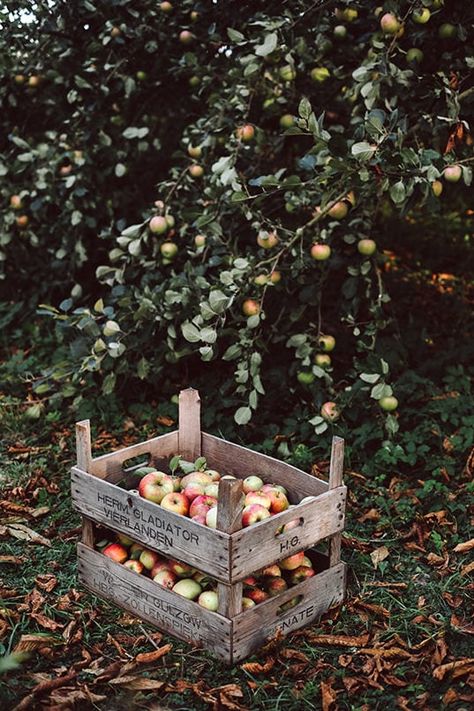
259,545
254,627
336,471
230,458
229,520
84,459
161,607
169,533
110,466
189,435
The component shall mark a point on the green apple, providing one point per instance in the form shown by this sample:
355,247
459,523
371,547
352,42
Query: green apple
388,403
366,247
340,31
305,377
327,343
437,187
323,360
320,252
188,588
287,73
447,31
158,225
287,121
414,55
339,210
200,240
194,151
452,173
320,74
169,250
389,24
421,16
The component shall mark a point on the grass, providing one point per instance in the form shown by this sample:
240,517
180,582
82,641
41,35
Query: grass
408,613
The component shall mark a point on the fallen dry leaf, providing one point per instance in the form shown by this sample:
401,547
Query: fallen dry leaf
460,667
31,642
370,515
257,667
151,657
42,688
46,582
467,569
23,533
46,622
464,547
328,695
11,560
378,555
138,683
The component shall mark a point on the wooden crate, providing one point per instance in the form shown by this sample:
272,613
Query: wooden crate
228,553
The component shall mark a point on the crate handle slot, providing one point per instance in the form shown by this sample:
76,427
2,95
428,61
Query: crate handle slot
141,460
286,605
292,525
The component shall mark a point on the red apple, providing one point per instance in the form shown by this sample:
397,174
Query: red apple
199,518
134,565
339,210
267,240
188,588
258,497
155,486
252,483
116,552
158,225
330,412
209,600
278,502
22,221
182,570
246,133
178,503
294,523
186,37
163,564
274,487
257,595
253,514
15,202
193,490
452,173
250,307
271,571
197,171
201,505
389,24
300,574
320,252
292,562
250,580
165,578
274,586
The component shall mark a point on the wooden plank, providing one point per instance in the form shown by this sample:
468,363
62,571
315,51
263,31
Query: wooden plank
336,470
161,607
169,533
260,545
84,459
254,627
189,435
229,520
230,458
336,466
110,466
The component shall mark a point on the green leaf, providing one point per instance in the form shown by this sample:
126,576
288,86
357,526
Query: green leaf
208,334
235,35
369,377
243,415
398,192
218,301
304,108
143,368
268,46
108,384
190,332
363,151
381,390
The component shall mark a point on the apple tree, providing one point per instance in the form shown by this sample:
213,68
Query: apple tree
243,163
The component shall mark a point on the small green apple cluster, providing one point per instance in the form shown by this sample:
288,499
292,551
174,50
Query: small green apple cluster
163,225
195,494
195,585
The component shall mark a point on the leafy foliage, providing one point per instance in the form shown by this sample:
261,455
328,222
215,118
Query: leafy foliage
265,131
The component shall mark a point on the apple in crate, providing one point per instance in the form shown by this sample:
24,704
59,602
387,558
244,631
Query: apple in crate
271,571
124,540
307,562
212,489
116,552
247,603
252,483
274,586
198,477
188,588
211,518
201,505
165,578
215,475
209,600
155,486
149,559
193,490
182,570
292,562
278,501
277,487
257,595
257,497
253,514
294,523
136,550
134,565
199,518
300,574
250,580
203,579
178,503
160,565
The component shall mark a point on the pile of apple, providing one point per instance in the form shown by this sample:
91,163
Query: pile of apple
200,587
195,495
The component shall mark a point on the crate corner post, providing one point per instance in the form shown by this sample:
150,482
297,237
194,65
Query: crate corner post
189,426
84,460
336,471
